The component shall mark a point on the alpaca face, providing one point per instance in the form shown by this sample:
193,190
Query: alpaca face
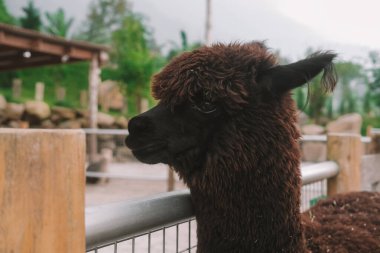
177,136
210,94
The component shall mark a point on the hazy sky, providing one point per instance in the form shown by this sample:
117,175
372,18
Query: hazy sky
349,27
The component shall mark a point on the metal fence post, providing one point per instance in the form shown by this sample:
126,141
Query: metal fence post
42,191
346,151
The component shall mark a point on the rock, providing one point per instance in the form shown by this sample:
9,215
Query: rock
38,109
105,120
110,96
14,111
18,124
313,151
82,113
84,122
3,103
64,112
121,122
47,124
123,154
313,129
349,123
70,124
55,118
3,107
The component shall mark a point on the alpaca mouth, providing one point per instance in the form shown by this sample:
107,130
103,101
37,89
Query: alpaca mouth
151,154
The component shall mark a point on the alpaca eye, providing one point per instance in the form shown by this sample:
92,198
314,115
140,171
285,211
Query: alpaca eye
205,107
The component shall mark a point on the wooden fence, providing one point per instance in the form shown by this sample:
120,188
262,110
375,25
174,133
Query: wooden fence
42,187
42,191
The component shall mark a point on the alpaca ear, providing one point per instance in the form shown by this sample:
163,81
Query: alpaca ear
282,78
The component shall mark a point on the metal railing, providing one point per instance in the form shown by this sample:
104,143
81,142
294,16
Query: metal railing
106,131
323,138
314,181
107,224
151,219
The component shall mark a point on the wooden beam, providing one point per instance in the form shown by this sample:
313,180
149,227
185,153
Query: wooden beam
75,52
39,45
10,53
42,187
21,65
21,61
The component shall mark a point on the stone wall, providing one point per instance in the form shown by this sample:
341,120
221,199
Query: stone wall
38,114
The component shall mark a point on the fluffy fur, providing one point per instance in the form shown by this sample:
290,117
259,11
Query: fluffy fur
227,124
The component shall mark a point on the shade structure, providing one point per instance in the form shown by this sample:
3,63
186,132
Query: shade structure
22,48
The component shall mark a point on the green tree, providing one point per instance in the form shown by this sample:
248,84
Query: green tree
317,98
318,101
5,17
57,23
31,18
135,60
374,85
349,73
300,98
104,17
185,46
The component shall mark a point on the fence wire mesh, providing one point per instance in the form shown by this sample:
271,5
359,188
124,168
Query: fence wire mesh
311,193
181,237
176,238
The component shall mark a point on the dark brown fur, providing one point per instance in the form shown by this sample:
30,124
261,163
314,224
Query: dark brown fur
344,223
241,162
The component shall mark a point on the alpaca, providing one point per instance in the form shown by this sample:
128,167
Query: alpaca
226,123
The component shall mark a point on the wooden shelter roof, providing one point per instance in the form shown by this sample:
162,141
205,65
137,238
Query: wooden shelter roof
22,48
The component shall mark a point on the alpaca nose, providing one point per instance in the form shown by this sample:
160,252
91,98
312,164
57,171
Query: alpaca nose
140,125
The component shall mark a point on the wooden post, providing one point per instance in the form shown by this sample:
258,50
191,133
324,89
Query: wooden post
16,88
93,86
171,180
83,98
42,191
374,145
60,93
40,89
144,106
346,150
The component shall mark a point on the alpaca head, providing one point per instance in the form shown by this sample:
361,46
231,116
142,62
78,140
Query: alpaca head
208,99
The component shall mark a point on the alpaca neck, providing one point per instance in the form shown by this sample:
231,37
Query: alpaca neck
255,210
